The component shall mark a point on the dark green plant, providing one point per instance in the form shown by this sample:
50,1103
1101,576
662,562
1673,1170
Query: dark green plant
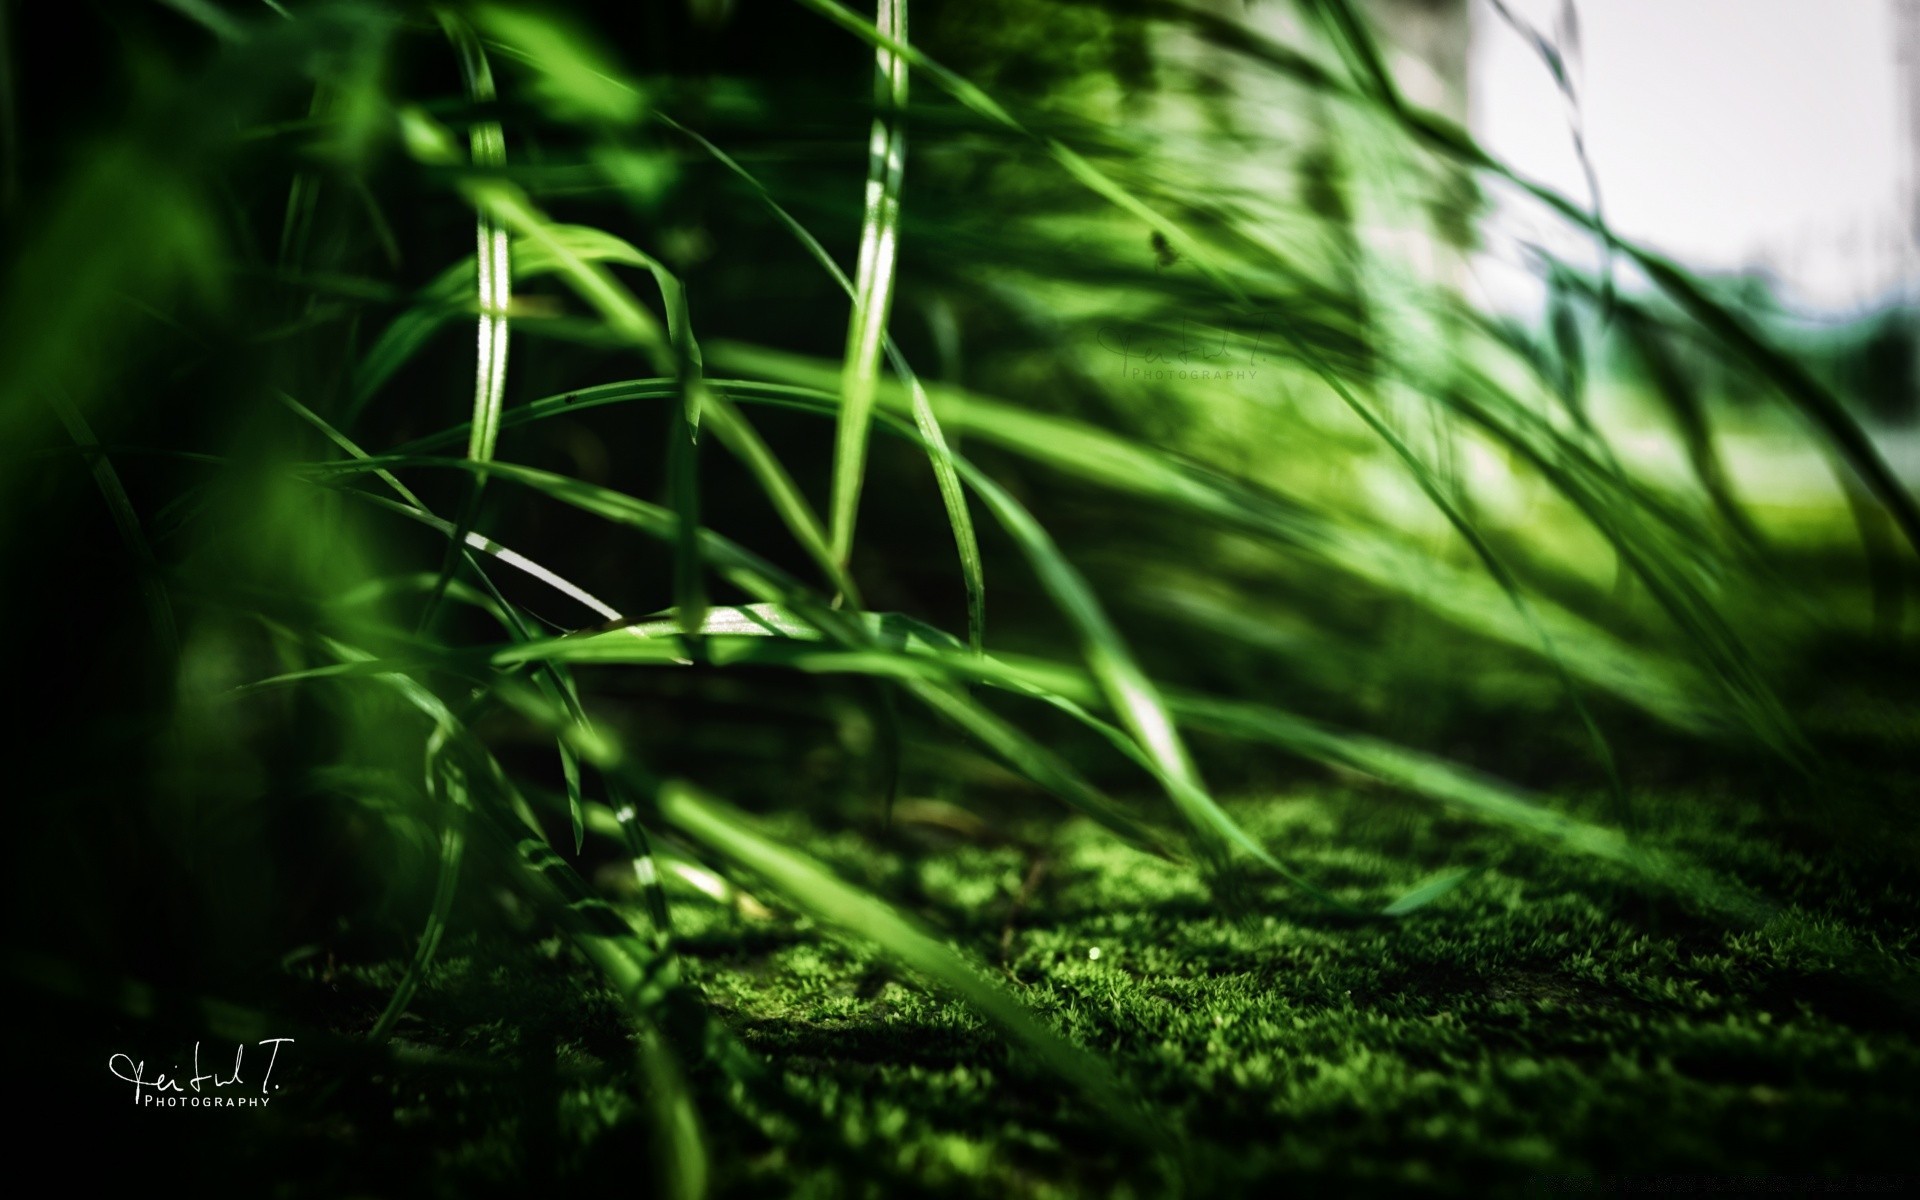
782,423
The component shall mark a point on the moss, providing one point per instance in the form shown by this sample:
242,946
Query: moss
1544,1019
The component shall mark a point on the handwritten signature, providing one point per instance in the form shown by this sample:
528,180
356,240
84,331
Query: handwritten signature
166,1091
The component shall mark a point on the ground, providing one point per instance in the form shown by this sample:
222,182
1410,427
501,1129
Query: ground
1551,1025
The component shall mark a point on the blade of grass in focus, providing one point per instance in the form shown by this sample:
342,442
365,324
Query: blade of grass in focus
1098,457
952,494
757,577
873,278
409,333
494,278
1094,454
598,89
1133,697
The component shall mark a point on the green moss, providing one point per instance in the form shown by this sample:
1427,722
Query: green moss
1545,1019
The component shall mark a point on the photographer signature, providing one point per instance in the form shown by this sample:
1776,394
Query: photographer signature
166,1091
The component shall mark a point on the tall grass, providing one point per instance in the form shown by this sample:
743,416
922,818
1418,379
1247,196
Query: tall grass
725,321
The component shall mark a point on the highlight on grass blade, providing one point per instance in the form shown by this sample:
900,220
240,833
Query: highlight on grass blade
494,276
873,278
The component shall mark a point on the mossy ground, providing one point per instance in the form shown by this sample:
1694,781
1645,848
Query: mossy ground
1550,1018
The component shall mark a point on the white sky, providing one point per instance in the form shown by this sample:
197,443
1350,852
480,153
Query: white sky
1728,133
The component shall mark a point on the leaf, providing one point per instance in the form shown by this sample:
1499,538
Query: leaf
952,494
126,521
645,977
573,82
494,276
446,784
873,279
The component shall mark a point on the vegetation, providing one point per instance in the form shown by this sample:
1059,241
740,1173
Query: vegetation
659,605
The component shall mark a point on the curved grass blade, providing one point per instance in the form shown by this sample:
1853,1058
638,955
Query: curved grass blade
739,436
873,279
1132,695
494,282
439,303
1129,691
1085,172
732,836
929,667
445,782
756,577
952,493
683,446
646,979
1108,461
617,99
625,317
773,640
464,542
449,296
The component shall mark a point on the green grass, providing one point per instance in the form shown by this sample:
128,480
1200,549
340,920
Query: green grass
382,684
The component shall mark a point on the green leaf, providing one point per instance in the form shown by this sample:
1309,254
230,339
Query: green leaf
873,278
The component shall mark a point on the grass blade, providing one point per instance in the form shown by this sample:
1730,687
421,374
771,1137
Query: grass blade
952,492
445,783
493,273
873,278
153,595
731,835
1131,693
646,979
981,104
